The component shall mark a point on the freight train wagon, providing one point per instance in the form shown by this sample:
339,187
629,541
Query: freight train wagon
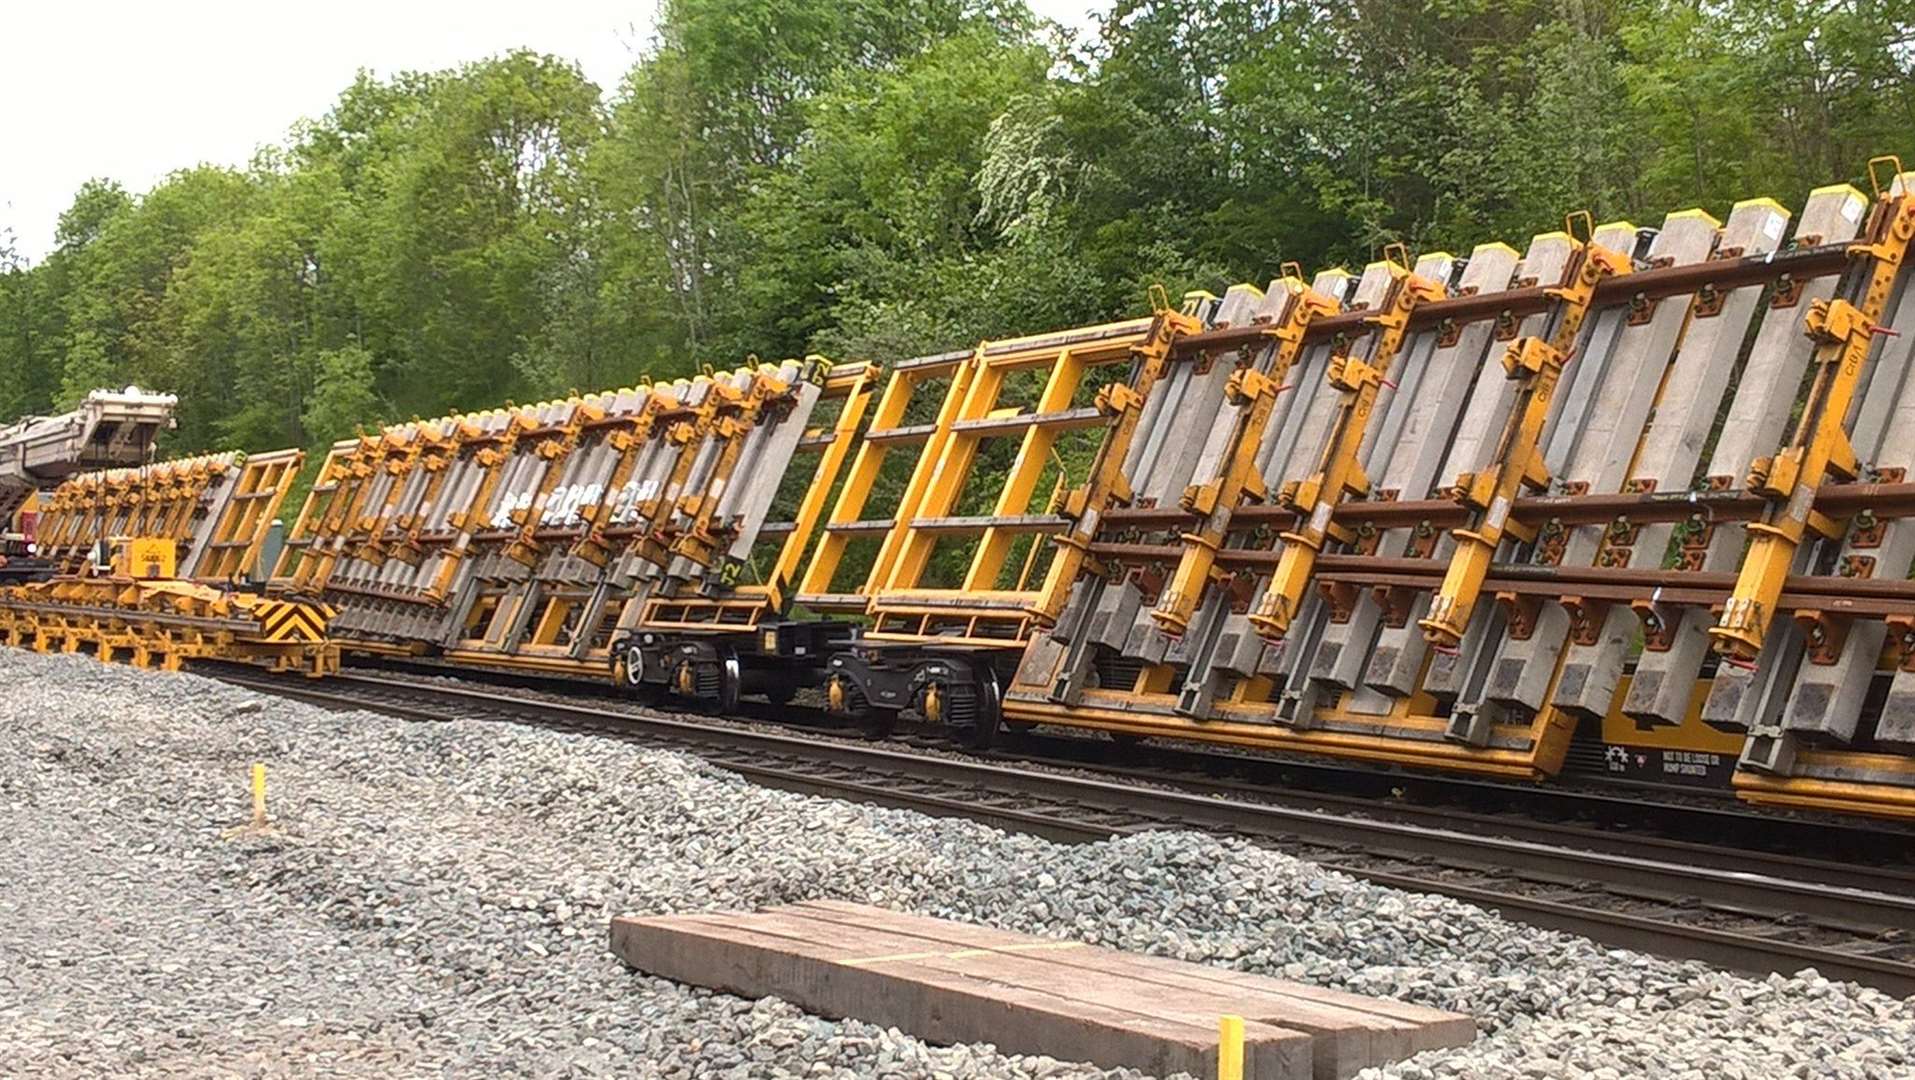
1625,503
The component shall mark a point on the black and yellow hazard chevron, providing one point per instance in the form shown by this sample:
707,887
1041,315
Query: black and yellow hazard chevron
291,620
163,623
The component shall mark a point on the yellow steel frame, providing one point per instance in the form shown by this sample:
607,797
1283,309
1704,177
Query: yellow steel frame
1844,334
241,529
1889,800
675,521
901,607
156,501
1248,724
1244,715
1106,485
1818,453
810,514
746,605
60,517
155,610
305,528
887,431
327,533
336,523
399,451
163,624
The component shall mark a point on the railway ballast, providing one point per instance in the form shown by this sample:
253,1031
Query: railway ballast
434,897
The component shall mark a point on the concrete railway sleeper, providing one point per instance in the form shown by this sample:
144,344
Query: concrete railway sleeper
1626,504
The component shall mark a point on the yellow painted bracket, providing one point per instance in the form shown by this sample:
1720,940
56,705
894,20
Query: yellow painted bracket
1106,484
698,542
1536,364
1254,393
1339,474
857,391
1844,333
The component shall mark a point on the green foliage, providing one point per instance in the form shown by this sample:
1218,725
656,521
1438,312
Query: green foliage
343,400
878,179
18,390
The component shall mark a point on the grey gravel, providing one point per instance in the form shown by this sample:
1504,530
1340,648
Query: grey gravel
433,901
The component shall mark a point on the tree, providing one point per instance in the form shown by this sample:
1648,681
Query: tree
468,211
119,257
878,179
20,368
343,399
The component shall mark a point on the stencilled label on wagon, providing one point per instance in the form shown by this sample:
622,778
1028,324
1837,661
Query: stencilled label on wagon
1689,762
1683,766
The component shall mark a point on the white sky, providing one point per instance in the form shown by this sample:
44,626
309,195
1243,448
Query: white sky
132,91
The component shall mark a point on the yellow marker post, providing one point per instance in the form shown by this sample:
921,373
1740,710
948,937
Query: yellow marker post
1230,1048
259,796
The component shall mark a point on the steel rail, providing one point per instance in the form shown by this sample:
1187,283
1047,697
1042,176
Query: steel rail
1630,844
1869,597
1821,260
1614,816
1884,500
1751,921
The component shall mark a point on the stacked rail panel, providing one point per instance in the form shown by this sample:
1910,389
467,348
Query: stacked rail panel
182,582
533,537
1628,500
1597,507
215,508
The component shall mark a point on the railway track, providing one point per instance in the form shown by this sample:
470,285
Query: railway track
1752,911
1700,826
